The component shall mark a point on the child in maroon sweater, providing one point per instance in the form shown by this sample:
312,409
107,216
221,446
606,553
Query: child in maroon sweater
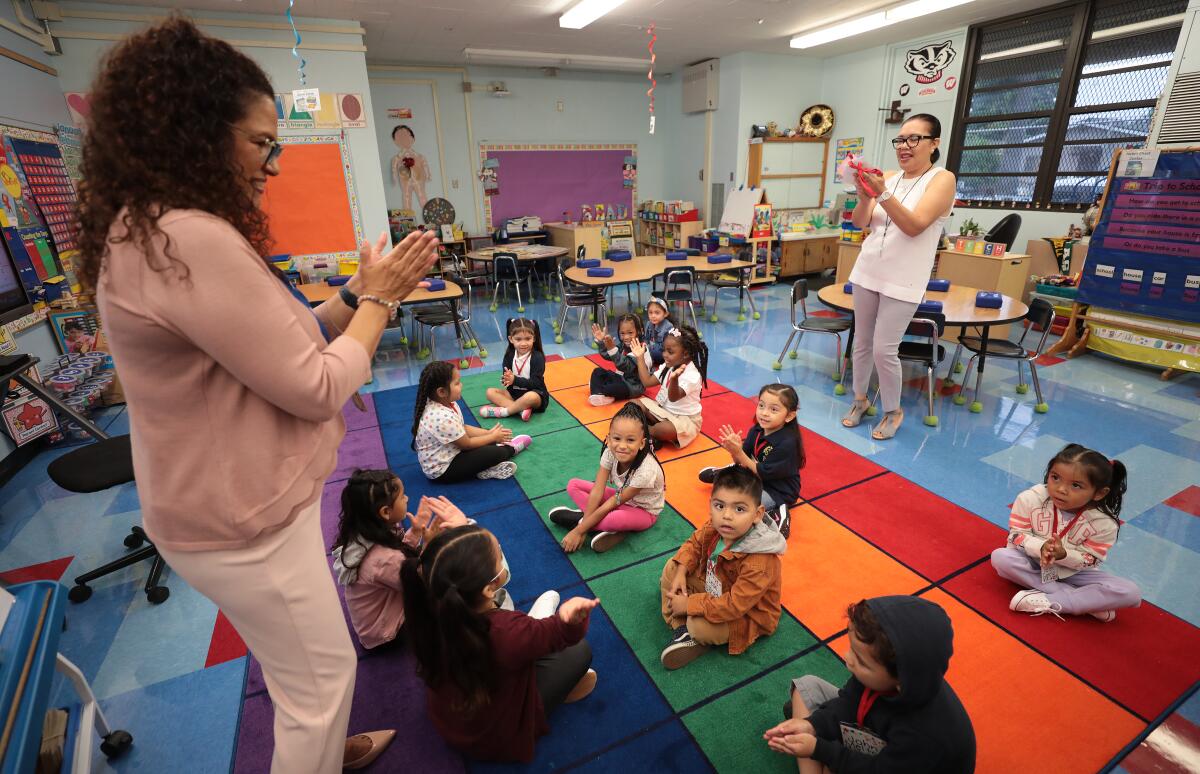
492,675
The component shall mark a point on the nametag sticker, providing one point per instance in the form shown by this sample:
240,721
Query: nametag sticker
1158,278
1192,282
1050,574
1105,271
860,740
307,100
1132,275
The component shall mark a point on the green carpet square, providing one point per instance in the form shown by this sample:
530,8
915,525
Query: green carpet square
730,729
474,387
555,417
551,461
631,599
667,534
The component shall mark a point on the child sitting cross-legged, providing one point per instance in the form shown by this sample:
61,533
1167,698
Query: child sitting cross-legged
626,496
897,712
625,383
675,414
723,584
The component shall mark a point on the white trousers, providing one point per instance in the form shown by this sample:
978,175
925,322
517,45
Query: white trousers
879,325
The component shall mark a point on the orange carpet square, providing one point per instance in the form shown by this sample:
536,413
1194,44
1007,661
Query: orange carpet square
571,372
575,400
684,492
827,567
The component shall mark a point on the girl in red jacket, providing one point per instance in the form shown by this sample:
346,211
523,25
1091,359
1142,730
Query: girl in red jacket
492,675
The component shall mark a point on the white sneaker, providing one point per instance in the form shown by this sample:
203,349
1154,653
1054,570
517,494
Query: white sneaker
545,606
1106,616
600,400
504,600
504,469
1035,602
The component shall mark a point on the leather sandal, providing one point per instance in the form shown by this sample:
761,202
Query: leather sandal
887,428
379,742
854,416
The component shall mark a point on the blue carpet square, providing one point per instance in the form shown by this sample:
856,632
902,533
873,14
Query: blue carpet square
668,749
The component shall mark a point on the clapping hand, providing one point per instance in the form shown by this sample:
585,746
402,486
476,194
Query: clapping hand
506,378
576,609
637,348
501,434
793,737
449,514
731,439
396,273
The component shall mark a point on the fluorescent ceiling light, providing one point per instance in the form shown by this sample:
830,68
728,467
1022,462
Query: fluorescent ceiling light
546,59
1144,26
585,12
1023,49
873,21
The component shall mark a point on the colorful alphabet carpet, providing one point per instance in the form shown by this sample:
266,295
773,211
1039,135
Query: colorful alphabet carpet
1079,692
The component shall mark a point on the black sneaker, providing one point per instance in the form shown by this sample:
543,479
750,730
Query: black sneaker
682,651
782,519
708,475
566,517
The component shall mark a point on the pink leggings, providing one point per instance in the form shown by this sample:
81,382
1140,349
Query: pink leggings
626,518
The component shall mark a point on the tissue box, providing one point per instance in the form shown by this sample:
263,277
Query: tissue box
938,285
848,288
588,263
606,271
435,283
720,258
929,306
676,255
985,299
337,279
618,255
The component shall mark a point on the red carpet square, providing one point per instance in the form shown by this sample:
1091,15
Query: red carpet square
1145,659
1187,501
727,408
929,534
604,363
831,466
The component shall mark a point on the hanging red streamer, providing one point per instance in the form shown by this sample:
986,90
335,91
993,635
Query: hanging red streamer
650,74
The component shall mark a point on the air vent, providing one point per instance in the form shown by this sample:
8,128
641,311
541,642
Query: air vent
1179,124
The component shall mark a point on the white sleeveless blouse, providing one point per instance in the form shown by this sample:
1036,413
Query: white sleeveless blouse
891,262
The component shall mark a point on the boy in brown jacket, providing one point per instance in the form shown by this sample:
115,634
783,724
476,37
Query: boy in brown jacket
723,584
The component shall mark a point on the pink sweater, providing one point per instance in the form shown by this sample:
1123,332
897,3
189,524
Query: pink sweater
234,397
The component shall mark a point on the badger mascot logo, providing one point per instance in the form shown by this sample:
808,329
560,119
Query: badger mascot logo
928,63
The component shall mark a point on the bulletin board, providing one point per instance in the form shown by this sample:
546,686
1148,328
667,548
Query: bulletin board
545,180
1144,256
313,202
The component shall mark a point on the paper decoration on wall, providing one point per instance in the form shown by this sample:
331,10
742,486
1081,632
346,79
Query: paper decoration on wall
399,114
629,172
849,145
929,68
350,108
51,188
280,113
410,168
650,74
24,229
489,175
295,117
79,107
308,100
326,116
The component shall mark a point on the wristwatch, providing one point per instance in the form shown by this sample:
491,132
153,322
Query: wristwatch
881,198
348,298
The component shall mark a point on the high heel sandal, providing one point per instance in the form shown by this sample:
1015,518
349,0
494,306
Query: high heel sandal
854,416
887,428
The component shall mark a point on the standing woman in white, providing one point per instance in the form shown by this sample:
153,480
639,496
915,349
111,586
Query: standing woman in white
905,210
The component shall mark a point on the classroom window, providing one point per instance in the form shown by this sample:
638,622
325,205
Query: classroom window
1050,96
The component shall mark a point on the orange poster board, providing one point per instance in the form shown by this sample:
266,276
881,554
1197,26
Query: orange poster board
312,205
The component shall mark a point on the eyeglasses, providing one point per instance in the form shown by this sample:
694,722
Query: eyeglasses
270,149
913,140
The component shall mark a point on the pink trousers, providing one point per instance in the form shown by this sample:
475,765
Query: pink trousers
279,595
626,518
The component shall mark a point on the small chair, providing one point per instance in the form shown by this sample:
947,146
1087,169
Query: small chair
738,280
574,295
1005,231
106,463
1041,314
679,286
437,315
929,326
461,267
507,270
834,326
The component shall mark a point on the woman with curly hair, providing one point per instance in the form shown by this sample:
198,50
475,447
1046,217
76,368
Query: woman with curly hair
235,387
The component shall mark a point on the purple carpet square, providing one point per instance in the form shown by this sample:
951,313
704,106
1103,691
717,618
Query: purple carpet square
359,449
357,420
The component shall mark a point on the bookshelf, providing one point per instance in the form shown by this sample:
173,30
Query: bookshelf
657,236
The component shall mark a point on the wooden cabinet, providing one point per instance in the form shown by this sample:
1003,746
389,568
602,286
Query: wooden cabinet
656,237
808,256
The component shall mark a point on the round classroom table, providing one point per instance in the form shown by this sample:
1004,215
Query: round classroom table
524,254
640,268
319,292
958,305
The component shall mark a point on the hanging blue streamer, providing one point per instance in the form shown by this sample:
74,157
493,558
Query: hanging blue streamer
295,53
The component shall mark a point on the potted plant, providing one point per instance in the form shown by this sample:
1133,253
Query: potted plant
968,228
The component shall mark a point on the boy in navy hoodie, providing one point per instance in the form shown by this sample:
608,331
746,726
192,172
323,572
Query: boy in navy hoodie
897,713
